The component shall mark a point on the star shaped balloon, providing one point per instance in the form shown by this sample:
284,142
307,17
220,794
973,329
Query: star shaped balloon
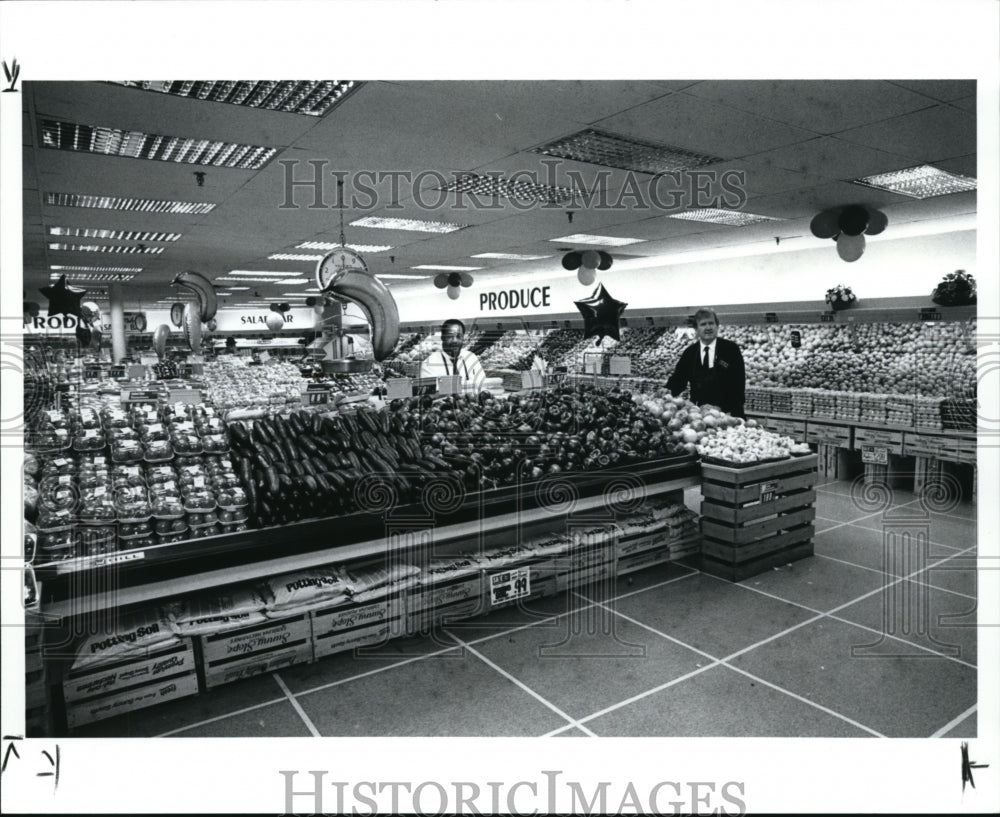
601,314
63,298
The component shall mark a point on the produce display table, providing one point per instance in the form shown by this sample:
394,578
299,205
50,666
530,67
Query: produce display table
757,517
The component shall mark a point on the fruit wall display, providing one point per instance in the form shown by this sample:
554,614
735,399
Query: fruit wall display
232,383
302,466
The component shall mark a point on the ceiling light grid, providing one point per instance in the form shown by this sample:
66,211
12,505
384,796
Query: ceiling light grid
407,224
121,249
291,256
499,187
139,145
96,276
625,153
330,245
921,182
311,97
509,256
598,240
113,235
79,268
197,208
730,218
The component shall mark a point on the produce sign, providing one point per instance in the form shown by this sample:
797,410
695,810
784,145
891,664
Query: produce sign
877,454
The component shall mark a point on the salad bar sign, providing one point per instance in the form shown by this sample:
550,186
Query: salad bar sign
510,585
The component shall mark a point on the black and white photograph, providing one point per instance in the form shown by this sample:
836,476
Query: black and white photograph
362,434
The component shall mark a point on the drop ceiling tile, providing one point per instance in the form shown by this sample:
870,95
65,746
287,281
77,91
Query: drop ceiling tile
682,120
945,90
820,106
966,104
808,202
941,132
830,158
963,165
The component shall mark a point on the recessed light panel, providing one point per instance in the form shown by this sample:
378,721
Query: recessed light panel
139,145
114,235
731,218
121,249
610,150
291,256
922,182
312,98
499,187
96,276
78,268
407,224
445,268
328,245
602,240
510,256
120,203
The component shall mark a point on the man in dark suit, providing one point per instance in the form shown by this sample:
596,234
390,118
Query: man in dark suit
713,367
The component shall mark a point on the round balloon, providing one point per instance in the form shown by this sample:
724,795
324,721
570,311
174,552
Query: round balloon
31,308
853,219
877,222
160,335
824,225
606,260
572,260
850,247
465,279
441,280
275,322
212,325
454,292
586,276
590,259
89,311
177,314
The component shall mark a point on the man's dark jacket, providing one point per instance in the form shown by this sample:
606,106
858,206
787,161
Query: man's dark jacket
724,385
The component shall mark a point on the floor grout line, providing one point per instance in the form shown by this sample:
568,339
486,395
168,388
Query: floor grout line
724,662
866,516
915,581
215,718
954,722
523,686
297,707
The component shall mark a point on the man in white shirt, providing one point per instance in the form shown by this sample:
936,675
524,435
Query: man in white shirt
712,366
453,359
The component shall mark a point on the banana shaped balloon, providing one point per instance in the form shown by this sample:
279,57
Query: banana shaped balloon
177,314
160,340
377,302
192,327
202,287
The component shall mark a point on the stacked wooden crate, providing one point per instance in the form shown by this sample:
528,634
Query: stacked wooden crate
757,517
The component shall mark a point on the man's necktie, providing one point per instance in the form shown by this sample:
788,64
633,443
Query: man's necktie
704,361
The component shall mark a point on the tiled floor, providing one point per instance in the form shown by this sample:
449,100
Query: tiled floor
826,647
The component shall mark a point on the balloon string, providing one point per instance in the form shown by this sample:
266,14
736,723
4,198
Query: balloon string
340,185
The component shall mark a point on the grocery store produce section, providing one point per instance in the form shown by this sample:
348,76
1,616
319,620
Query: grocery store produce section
229,498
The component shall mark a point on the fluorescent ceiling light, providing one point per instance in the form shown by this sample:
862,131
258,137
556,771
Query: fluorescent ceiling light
139,145
624,152
410,224
445,268
96,276
121,203
294,282
731,218
921,182
605,240
327,245
510,256
78,268
238,289
497,187
312,98
121,249
236,273
291,256
114,235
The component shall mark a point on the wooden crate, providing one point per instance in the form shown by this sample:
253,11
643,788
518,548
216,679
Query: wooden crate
89,710
796,429
838,435
892,441
433,604
757,517
118,675
941,446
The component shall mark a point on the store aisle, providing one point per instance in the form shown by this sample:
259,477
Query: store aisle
825,647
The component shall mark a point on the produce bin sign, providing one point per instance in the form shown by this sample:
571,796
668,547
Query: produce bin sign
796,339
877,454
510,585
767,490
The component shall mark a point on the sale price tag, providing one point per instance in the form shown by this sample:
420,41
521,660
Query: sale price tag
767,490
877,454
510,585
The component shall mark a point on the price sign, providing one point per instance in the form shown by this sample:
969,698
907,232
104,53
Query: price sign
510,585
796,338
929,314
767,490
771,317
620,364
191,396
117,372
316,397
92,371
449,384
136,372
140,396
401,387
827,317
877,454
